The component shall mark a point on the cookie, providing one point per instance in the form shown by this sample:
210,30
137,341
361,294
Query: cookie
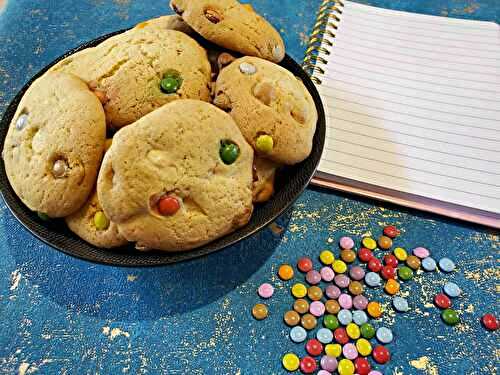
178,178
54,145
272,108
263,179
172,22
140,70
232,25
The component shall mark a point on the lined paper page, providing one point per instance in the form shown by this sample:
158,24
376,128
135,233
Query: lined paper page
413,105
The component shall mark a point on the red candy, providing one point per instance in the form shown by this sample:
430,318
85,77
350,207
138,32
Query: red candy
375,265
391,261
381,354
362,366
391,231
442,301
314,347
490,322
308,365
340,335
365,254
388,272
305,264
168,205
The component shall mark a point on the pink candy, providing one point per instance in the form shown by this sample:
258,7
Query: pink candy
324,372
421,252
349,351
374,372
317,308
266,290
346,243
345,301
313,277
327,274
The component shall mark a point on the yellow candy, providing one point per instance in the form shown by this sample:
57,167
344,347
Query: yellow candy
326,257
374,309
346,367
353,331
400,254
299,290
364,347
339,266
369,243
333,350
290,362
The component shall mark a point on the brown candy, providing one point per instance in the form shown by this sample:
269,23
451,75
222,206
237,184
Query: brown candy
213,16
301,306
413,262
314,293
308,321
348,256
224,59
291,318
384,242
260,311
265,92
332,306
356,288
60,168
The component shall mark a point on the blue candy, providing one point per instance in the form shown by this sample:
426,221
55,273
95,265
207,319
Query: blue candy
359,317
452,289
384,335
446,265
429,264
344,316
400,304
372,279
298,334
324,335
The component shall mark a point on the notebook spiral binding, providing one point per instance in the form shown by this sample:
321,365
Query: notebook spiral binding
321,38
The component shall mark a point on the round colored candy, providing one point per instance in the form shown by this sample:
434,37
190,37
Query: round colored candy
384,335
359,317
400,304
301,306
362,366
314,293
333,350
314,347
388,272
348,256
364,254
384,242
369,243
342,281
169,85
345,301
290,362
308,365
400,254
264,143
446,265
332,306
330,321
374,309
327,274
22,121
101,222
339,266
364,347
340,335
266,290
298,334
304,264
372,279
353,331
421,252
317,308
346,243
324,372
429,264
247,68
344,316
285,272
260,311
168,205
345,367
374,264
452,289
308,321
291,318
332,291
381,354
390,260
360,302
357,273
391,231
450,317
326,257
328,363
442,301
391,287
405,273
367,331
313,277
229,153
490,322
299,290
349,351
413,262
375,373
356,288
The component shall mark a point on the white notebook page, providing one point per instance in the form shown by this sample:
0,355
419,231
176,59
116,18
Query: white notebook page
413,105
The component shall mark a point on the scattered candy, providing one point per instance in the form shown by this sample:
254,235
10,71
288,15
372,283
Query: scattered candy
304,264
490,322
101,222
391,231
291,318
421,252
364,347
384,242
332,306
326,257
348,256
290,362
313,277
345,301
390,260
369,243
342,281
388,272
372,279
314,347
339,266
384,335
374,309
314,293
450,317
299,290
264,143
362,366
332,291
324,372
327,274
405,273
308,321
356,288
400,304
346,243
413,262
374,265
340,335
331,322
446,265
344,316
247,68
266,290
365,255
357,273
442,301
381,354
317,308
353,331
328,363
452,289
333,350
391,287
301,306
346,367
285,272
298,334
400,254
360,302
359,317
349,351
367,331
308,365
429,264
260,311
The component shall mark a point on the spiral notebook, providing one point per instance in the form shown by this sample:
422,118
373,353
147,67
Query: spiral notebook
413,108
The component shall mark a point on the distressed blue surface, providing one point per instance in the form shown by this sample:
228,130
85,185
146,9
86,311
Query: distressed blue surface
63,315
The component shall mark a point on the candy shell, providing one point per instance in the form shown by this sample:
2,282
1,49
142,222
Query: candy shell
391,231
340,335
381,355
299,290
314,347
298,334
285,272
327,274
384,242
304,264
290,362
446,265
314,293
333,350
360,302
357,273
301,306
342,281
328,363
429,264
442,301
375,265
348,256
330,321
344,316
384,335
308,365
266,290
400,304
339,266
317,308
332,306
346,243
332,291
421,252
489,322
364,347
365,255
362,366
345,301
367,331
291,318
313,277
400,254
349,351
346,367
359,317
324,372
308,321
452,289
260,311
374,309
369,243
372,279
356,288
353,331
326,257
450,317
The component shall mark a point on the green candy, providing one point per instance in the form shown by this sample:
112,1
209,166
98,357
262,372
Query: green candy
43,216
169,85
450,317
405,273
330,322
367,331
229,152
101,222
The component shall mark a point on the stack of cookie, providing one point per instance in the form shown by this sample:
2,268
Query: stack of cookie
155,138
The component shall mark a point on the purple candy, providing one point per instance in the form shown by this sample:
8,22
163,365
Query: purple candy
317,308
313,277
349,350
332,292
342,281
346,243
360,302
357,273
421,252
328,363
345,301
327,274
324,372
375,372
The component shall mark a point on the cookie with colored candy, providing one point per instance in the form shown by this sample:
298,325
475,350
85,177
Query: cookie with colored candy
172,22
264,174
232,25
54,145
272,108
178,178
138,71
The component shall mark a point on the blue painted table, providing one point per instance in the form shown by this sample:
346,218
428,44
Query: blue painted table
67,316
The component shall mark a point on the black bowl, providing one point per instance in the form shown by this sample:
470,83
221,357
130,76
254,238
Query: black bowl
290,183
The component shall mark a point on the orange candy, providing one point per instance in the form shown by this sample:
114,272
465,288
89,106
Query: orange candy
391,286
168,205
374,309
285,272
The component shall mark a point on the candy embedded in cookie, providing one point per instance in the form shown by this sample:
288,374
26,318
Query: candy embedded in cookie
264,172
